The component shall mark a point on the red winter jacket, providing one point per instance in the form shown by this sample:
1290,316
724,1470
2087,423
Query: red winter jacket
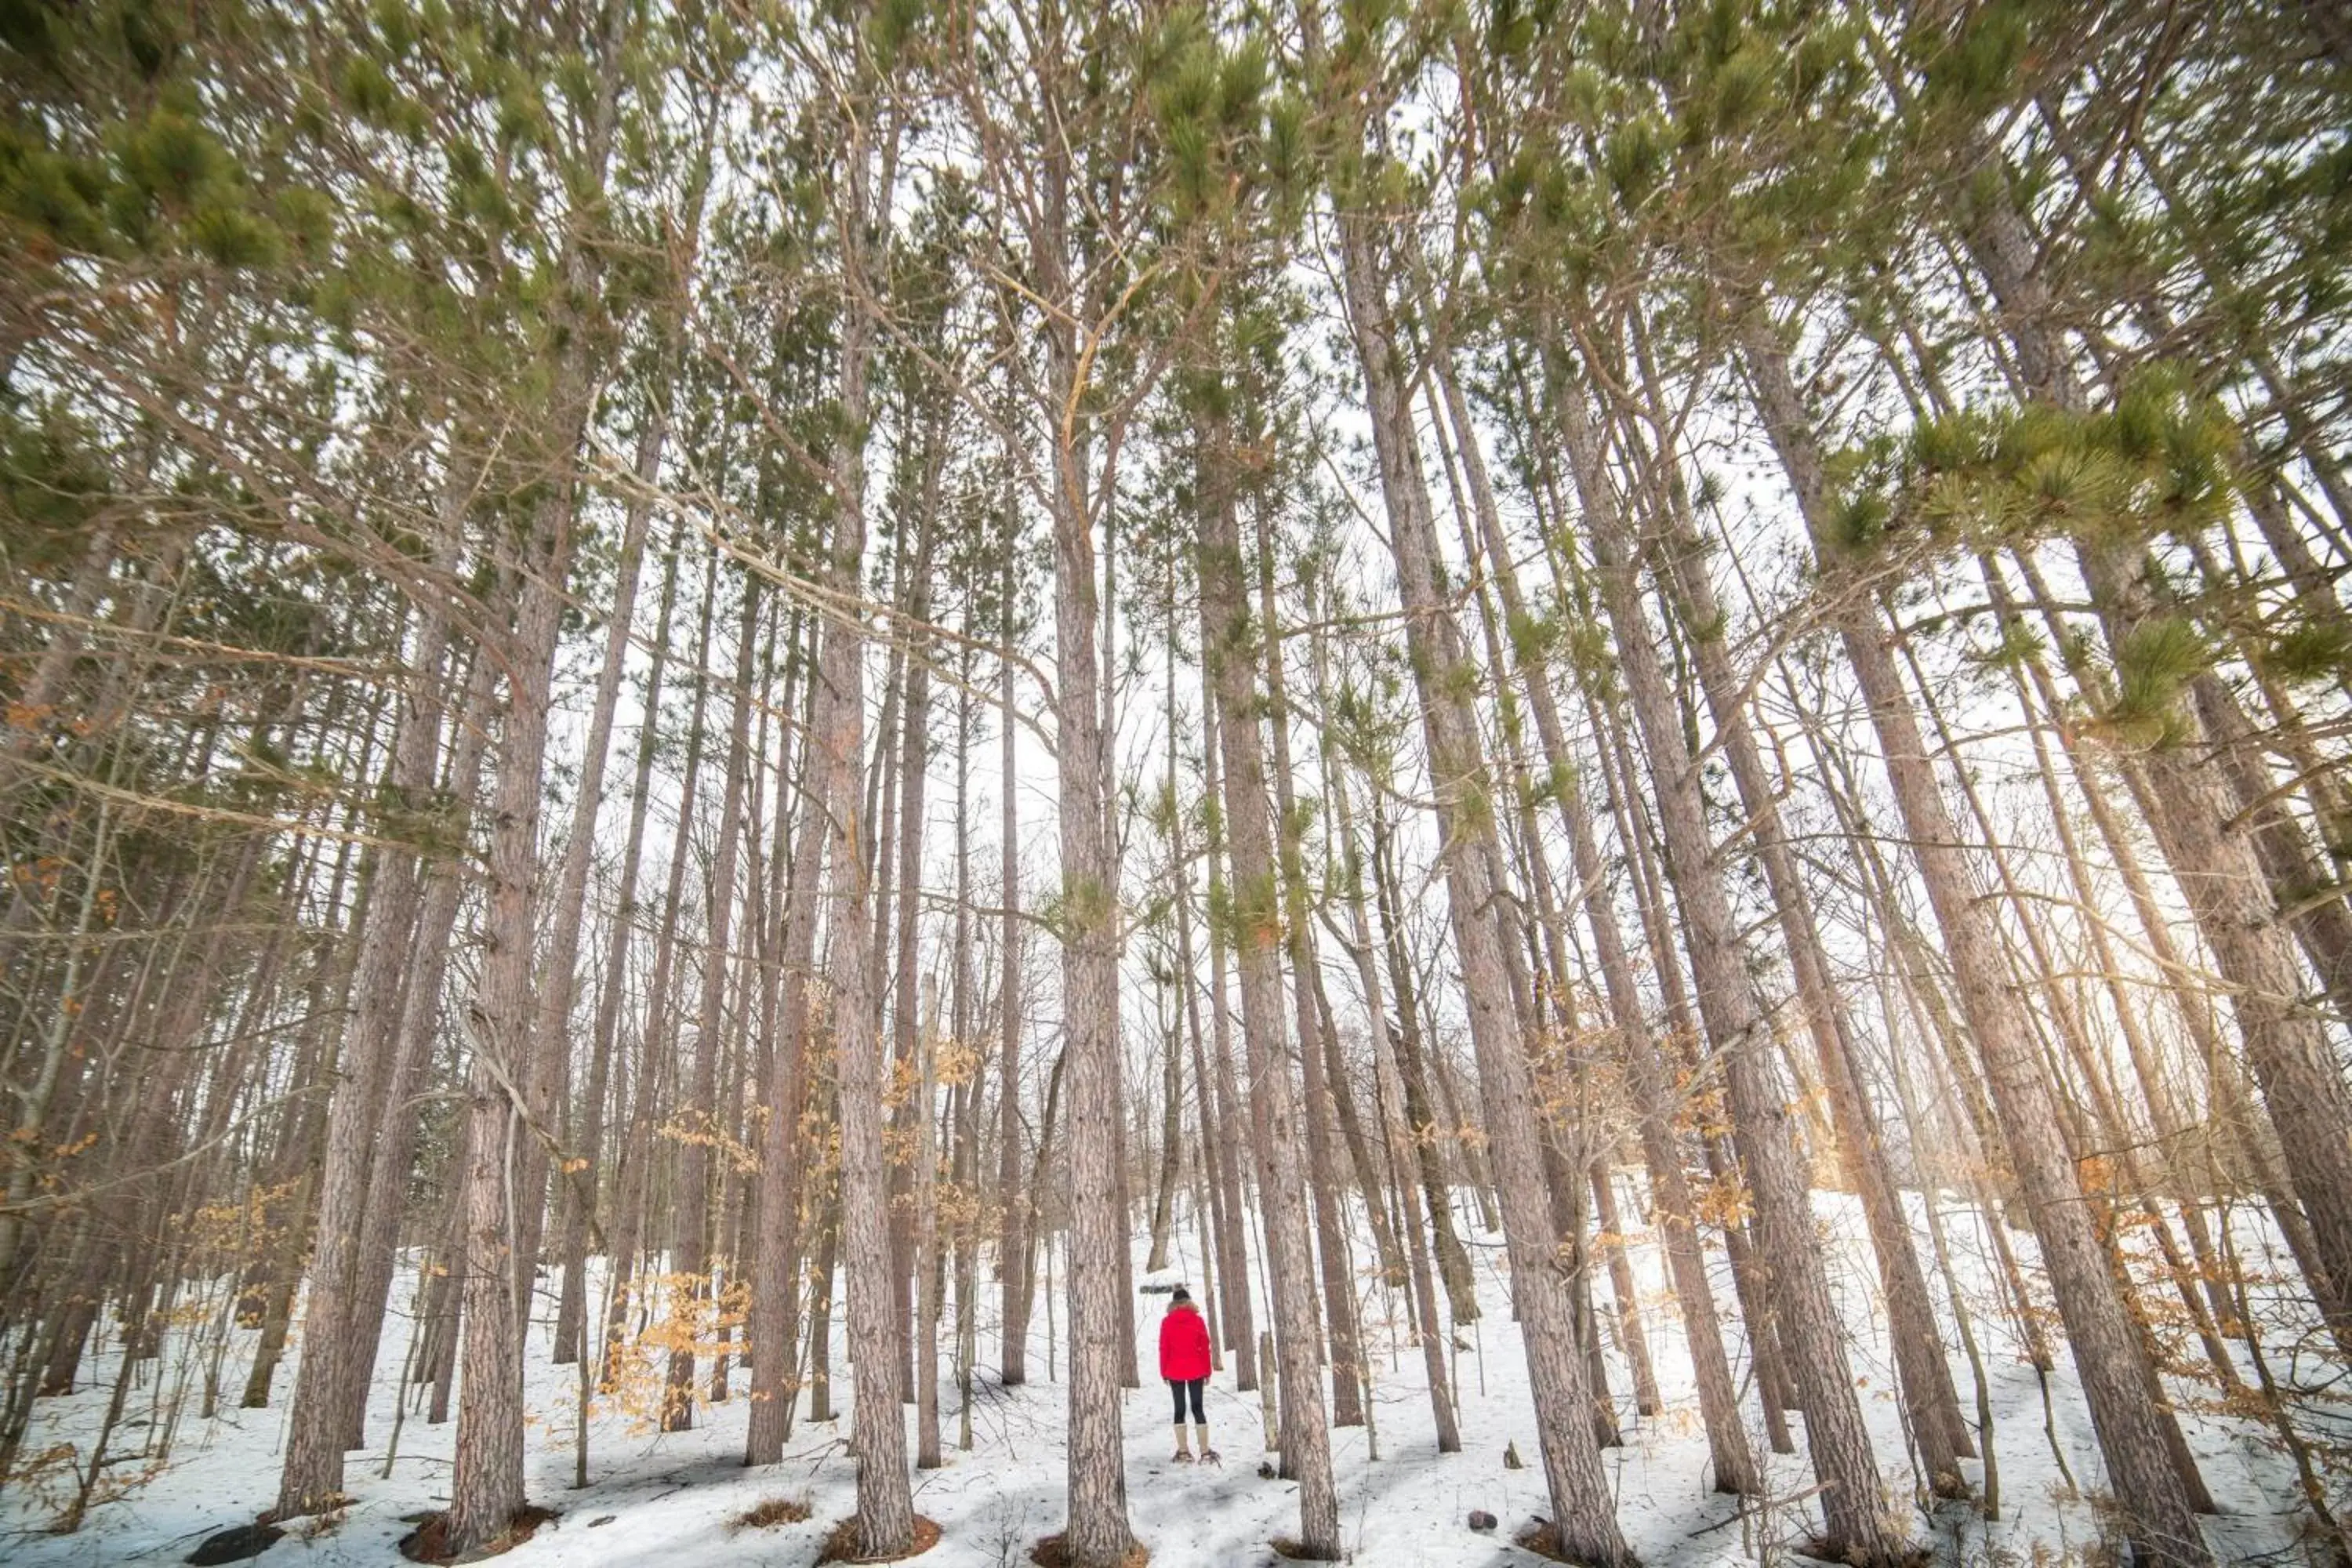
1183,1345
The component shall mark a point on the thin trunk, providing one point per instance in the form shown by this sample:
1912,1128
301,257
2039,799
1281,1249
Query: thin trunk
962,1006
1171,1140
1420,1115
552,1048
571,1312
1016,1207
1388,1093
783,1148
1240,1324
924,1124
1296,925
690,1261
1232,646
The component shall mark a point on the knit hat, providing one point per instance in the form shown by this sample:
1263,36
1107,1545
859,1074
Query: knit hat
1180,1297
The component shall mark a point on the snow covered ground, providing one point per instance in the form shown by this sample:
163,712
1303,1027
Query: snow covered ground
656,1499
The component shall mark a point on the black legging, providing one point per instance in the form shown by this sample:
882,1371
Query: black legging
1183,1387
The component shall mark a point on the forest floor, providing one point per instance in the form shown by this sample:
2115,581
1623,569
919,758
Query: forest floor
656,1500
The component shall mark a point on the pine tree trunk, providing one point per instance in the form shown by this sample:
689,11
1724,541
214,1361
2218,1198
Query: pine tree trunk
1429,1135
301,1140
1171,1143
318,1427
821,1290
690,1259
924,1124
579,851
885,1516
571,1311
657,1090
1098,1535
1231,1321
376,1250
1582,1510
1106,734
1015,1207
1389,1092
964,1170
552,1044
1679,1059
487,1488
1290,919
1929,1395
1857,1525
914,753
1232,1136
773,1324
1232,646
2107,1355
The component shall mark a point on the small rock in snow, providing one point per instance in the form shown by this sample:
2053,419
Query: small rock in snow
235,1546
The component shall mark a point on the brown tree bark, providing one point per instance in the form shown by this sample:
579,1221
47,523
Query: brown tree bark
571,1310
1429,1135
885,1515
1318,1088
552,1044
2107,1355
376,1249
1583,1512
1389,1096
1234,1129
317,1425
1929,1394
924,1123
1857,1523
690,1259
906,1024
487,1488
1015,1207
772,1326
1233,642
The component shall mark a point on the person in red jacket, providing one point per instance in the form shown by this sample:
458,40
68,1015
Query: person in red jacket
1184,1362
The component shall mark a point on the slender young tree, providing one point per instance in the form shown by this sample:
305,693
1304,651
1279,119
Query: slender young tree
1233,643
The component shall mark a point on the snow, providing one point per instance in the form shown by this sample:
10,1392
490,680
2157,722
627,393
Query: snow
657,1499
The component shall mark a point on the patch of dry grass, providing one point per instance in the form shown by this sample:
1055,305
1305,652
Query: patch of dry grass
771,1511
